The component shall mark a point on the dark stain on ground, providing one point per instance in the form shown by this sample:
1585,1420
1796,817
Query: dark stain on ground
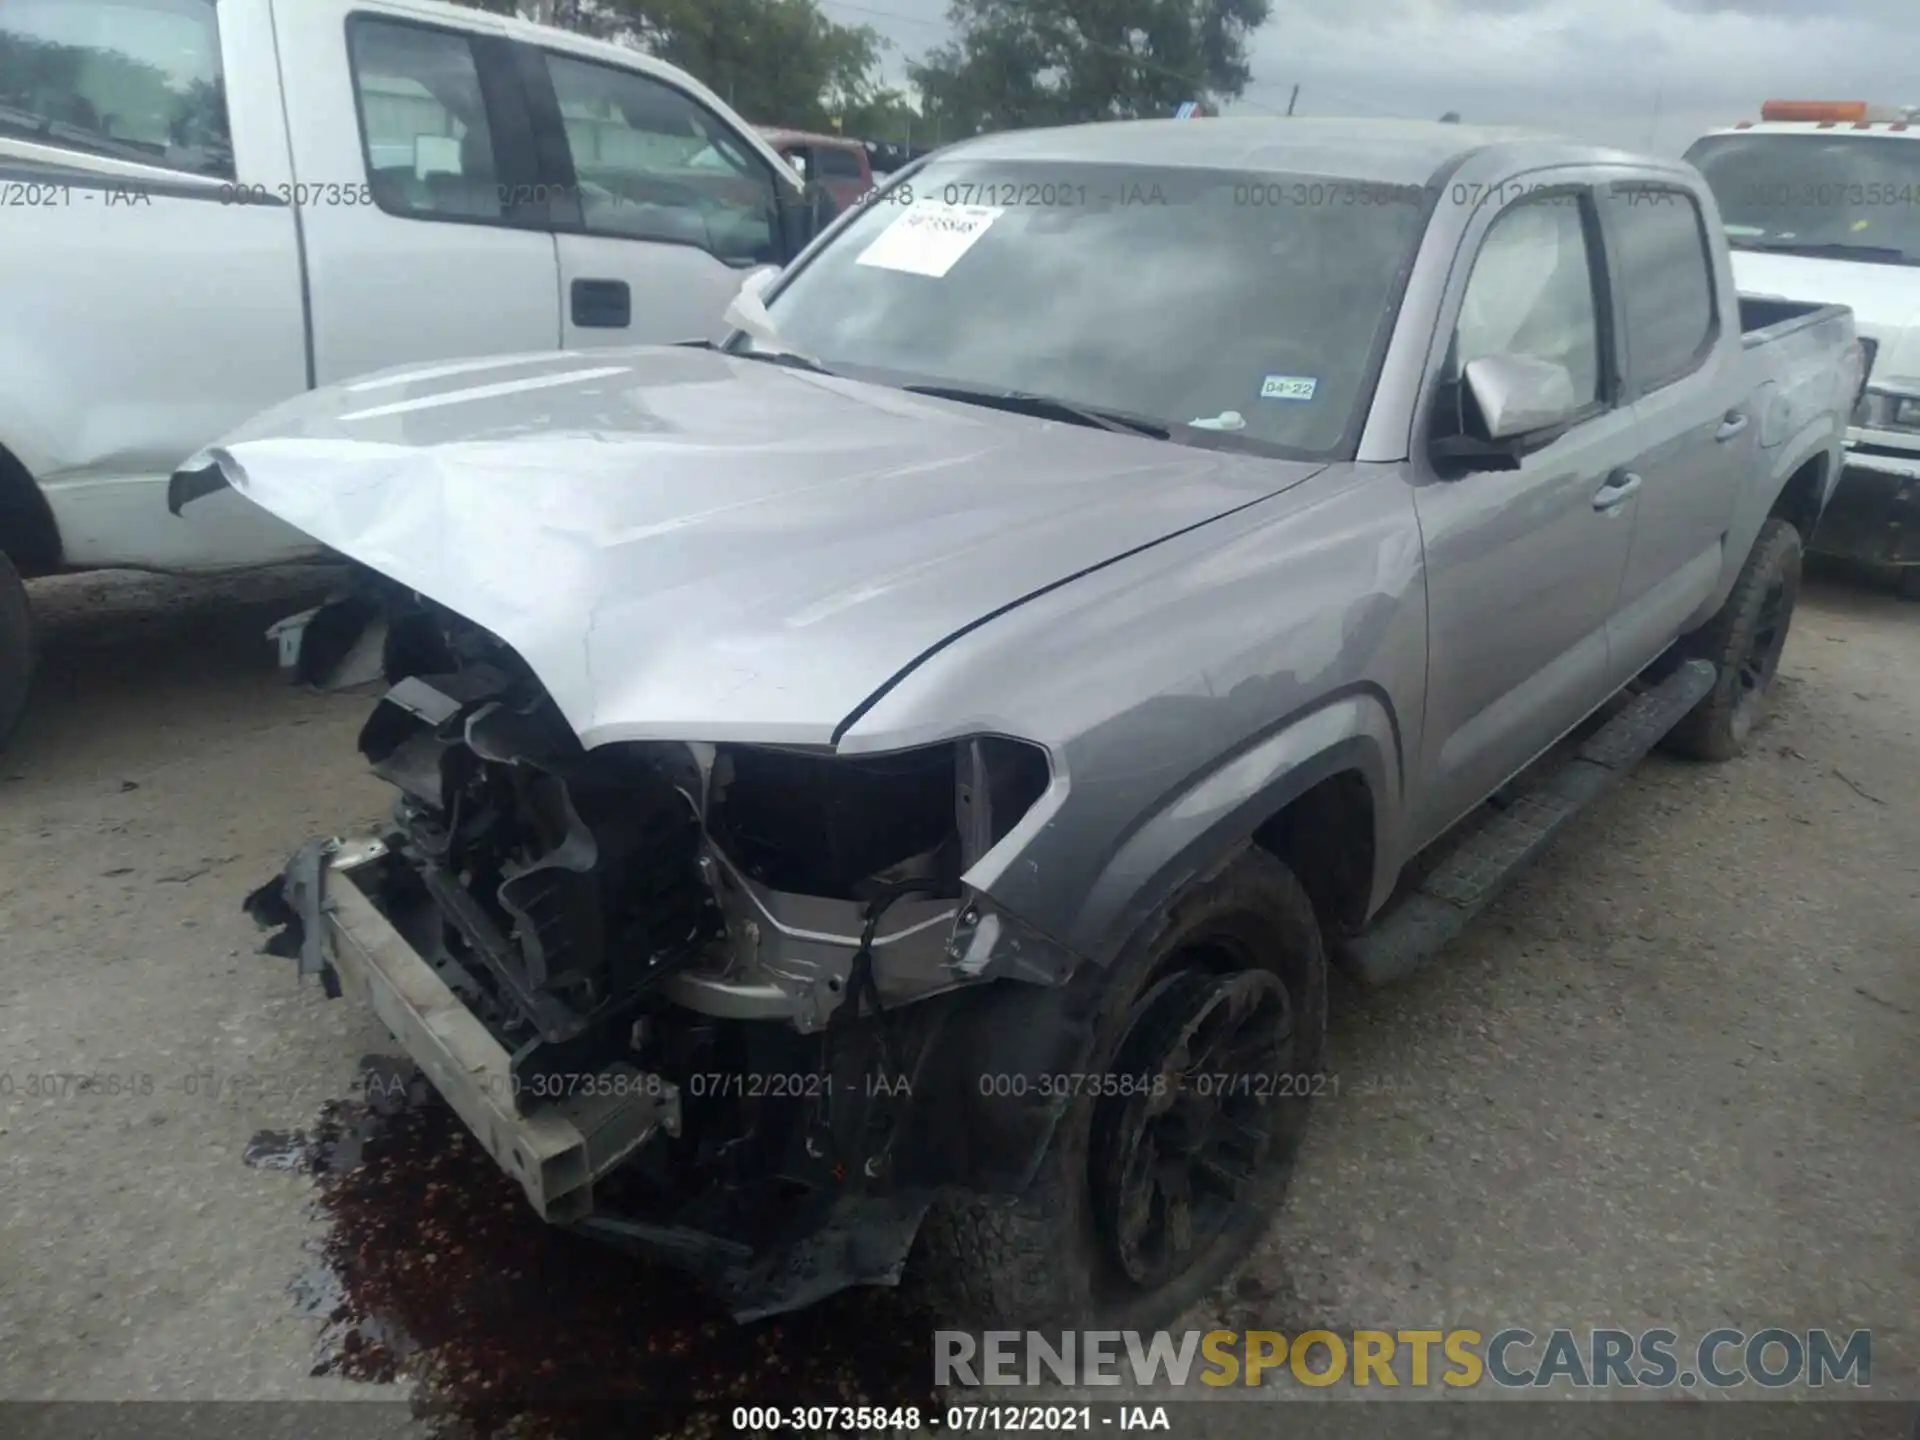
434,1268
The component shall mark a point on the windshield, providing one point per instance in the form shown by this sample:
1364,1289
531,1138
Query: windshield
1856,196
1237,307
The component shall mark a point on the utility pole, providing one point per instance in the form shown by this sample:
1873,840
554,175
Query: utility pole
1293,99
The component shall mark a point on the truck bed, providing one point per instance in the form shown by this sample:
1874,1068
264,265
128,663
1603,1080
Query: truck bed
1765,318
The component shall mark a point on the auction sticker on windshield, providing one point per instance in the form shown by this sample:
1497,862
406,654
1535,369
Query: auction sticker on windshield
929,238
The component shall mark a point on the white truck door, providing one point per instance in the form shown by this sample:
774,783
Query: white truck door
143,310
672,206
414,166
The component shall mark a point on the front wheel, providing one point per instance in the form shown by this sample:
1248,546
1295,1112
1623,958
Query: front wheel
16,649
1744,640
1152,1192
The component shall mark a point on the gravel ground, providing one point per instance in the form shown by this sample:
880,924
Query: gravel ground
1671,1078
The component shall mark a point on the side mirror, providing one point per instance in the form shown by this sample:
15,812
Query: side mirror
747,311
1519,395
757,280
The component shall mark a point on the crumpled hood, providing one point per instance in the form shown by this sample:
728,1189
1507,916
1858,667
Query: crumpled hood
687,545
1885,299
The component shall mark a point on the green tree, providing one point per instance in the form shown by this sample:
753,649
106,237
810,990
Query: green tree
884,115
1019,63
778,62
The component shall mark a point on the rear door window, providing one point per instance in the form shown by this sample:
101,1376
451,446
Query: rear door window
136,80
1666,281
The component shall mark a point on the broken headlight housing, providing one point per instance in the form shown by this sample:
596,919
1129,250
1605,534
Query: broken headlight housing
835,826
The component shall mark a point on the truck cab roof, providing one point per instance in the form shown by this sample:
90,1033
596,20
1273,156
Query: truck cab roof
1387,151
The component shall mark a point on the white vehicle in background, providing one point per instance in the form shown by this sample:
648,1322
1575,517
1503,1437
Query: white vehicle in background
1821,201
208,209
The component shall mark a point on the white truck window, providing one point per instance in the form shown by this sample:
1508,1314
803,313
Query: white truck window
1531,293
429,149
132,79
644,158
1666,281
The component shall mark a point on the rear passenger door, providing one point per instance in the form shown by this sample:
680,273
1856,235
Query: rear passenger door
415,164
1523,564
661,206
1692,413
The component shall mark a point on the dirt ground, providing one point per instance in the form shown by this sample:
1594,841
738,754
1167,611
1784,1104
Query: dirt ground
1671,1079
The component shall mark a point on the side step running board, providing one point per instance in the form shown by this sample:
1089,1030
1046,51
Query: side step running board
1414,928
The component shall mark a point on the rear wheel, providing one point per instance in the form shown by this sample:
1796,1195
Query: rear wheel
1161,1180
16,649
1909,582
1744,640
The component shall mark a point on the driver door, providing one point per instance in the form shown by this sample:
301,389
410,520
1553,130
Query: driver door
668,209
413,155
1524,565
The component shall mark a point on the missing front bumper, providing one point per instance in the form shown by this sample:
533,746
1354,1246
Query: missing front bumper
556,1151
768,1231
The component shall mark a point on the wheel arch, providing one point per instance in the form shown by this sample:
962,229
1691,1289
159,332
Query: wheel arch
1339,765
1796,484
29,535
1334,770
1803,496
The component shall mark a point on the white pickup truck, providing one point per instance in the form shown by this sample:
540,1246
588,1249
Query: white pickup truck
206,210
1821,201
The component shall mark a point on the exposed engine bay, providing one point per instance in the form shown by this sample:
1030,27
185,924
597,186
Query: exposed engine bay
778,946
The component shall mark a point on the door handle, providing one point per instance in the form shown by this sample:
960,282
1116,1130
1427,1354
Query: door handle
1612,495
1732,425
602,304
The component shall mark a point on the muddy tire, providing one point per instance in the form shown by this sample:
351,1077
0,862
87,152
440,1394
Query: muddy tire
1744,640
1231,984
16,649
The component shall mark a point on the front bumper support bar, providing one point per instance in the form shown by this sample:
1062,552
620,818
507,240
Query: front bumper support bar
555,1151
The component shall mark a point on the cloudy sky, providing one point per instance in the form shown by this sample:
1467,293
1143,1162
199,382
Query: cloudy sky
1651,74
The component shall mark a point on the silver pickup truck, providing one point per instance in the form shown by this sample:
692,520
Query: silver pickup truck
891,787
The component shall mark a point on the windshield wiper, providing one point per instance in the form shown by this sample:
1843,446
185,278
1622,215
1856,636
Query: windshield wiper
1025,402
1838,249
792,359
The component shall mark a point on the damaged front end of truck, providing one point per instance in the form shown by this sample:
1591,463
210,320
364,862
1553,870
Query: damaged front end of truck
732,1006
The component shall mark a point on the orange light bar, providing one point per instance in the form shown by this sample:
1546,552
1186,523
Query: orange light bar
1814,110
